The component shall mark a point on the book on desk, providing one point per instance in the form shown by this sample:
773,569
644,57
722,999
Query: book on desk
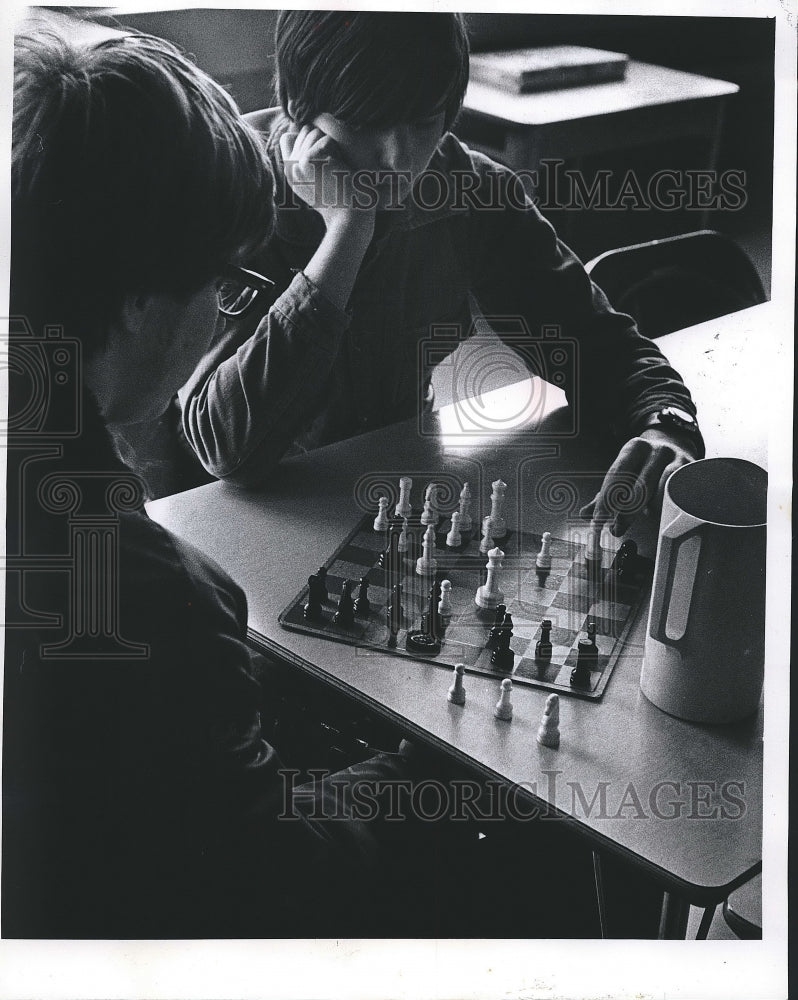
525,71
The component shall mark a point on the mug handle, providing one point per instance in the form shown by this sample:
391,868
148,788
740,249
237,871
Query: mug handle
674,535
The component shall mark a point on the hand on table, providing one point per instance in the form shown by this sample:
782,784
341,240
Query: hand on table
636,479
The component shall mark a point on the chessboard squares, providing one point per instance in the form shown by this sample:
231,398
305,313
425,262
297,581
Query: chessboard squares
544,672
518,644
595,673
574,602
610,618
369,540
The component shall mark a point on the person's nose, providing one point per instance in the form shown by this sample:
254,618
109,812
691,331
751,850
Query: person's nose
394,149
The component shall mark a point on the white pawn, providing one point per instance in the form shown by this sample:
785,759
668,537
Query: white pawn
382,521
465,508
457,692
489,595
403,507
432,496
426,564
454,539
403,542
429,515
543,560
445,603
549,732
593,551
497,509
487,535
504,707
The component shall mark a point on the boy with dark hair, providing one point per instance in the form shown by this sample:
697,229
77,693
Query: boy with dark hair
367,257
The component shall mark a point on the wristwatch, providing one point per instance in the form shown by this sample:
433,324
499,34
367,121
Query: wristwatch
681,424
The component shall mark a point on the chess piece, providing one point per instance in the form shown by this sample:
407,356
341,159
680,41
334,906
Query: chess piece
345,614
543,645
489,595
498,621
549,731
497,509
445,604
317,586
487,542
403,507
503,656
381,521
454,539
543,559
456,693
362,603
426,564
312,611
429,516
404,542
394,613
586,661
593,554
466,522
504,706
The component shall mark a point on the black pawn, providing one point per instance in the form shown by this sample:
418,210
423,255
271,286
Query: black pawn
543,645
362,602
345,615
586,661
591,633
503,657
313,609
317,587
394,611
433,625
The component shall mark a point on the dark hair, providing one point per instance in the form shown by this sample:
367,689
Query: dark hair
132,171
370,69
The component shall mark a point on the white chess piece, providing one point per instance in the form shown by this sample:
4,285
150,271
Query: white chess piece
543,560
457,692
445,603
403,542
593,551
497,509
466,522
429,515
382,521
490,595
504,706
426,564
454,539
487,535
549,731
403,507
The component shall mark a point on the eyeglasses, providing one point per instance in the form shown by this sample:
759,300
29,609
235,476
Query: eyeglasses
239,289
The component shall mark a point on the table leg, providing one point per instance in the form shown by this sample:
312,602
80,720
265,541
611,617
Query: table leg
673,919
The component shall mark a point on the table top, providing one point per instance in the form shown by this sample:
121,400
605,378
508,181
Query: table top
681,799
645,86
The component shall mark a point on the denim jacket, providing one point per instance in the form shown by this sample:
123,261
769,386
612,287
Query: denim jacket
300,373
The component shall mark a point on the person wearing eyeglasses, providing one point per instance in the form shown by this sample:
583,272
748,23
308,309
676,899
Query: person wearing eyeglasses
141,797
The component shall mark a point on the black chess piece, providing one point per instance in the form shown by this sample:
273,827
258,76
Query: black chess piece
498,621
503,657
345,615
362,603
426,640
586,661
625,564
313,611
317,587
543,645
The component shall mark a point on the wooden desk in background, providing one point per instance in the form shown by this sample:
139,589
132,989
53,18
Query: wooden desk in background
271,541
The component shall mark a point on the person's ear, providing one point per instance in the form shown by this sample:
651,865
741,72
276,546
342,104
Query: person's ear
134,312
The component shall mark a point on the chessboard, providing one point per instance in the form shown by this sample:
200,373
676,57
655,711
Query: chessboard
580,600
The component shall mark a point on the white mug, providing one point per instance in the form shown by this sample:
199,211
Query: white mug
705,643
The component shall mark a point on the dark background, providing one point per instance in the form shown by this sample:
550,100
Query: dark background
237,47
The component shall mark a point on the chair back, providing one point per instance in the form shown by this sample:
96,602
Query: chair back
673,283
